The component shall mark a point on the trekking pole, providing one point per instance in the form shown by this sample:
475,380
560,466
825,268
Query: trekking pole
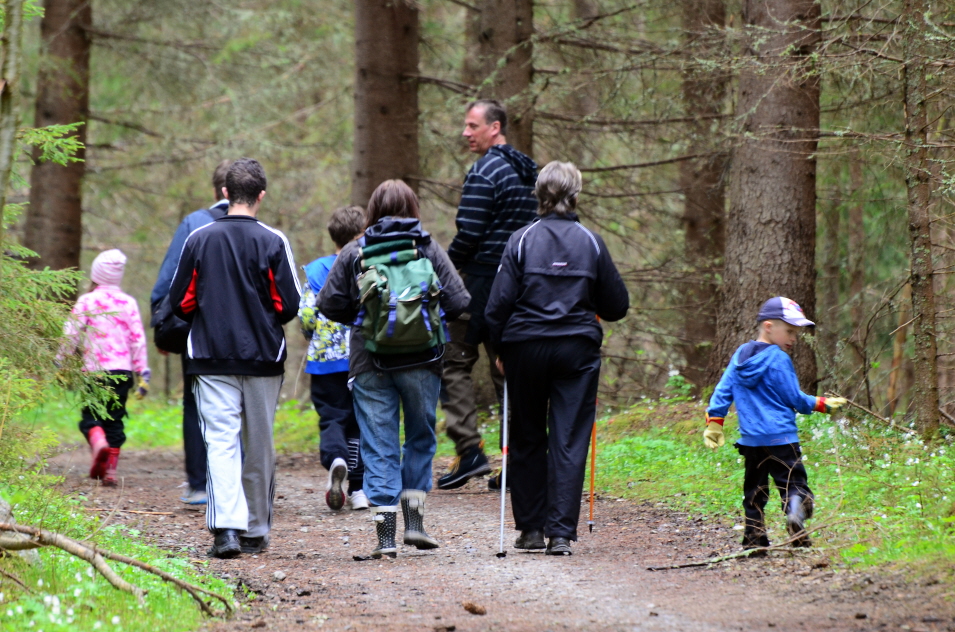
593,472
502,552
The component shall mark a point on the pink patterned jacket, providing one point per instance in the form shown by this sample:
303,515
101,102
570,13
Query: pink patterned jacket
106,323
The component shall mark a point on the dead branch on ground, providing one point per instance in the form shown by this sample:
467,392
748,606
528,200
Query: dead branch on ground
97,558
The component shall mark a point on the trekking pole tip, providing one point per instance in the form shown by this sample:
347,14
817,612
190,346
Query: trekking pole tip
590,525
501,554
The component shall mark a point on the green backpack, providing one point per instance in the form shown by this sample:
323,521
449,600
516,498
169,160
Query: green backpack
399,290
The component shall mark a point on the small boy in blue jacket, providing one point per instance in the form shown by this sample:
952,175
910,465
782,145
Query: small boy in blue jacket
761,381
327,363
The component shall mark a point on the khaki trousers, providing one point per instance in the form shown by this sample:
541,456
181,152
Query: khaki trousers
460,408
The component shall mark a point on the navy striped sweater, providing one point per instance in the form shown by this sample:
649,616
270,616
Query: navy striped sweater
498,199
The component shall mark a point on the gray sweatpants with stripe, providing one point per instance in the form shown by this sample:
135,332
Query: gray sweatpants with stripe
240,490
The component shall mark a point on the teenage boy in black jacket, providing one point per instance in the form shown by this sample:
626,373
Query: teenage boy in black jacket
236,283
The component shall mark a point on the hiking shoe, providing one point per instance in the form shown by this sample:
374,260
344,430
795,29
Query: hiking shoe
494,482
465,467
357,500
797,513
755,540
558,546
533,539
195,497
226,544
334,494
253,545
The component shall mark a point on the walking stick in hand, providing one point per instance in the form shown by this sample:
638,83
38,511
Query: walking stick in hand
502,552
593,472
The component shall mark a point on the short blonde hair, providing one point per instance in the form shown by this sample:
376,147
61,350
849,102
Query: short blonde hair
558,186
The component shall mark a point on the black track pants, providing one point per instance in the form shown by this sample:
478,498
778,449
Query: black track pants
193,445
112,423
552,386
784,464
339,435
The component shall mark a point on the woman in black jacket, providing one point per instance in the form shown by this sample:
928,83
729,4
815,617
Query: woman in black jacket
393,473
556,278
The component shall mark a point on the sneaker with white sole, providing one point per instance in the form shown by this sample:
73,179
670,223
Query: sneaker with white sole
357,500
195,497
334,494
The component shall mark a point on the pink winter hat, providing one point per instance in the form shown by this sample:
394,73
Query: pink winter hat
108,267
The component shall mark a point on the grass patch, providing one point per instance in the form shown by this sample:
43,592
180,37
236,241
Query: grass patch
889,495
63,591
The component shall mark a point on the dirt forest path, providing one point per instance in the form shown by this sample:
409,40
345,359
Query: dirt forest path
308,580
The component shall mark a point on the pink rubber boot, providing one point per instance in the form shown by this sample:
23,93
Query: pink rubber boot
98,450
112,460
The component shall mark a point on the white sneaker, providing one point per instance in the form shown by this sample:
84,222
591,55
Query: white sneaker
357,500
334,494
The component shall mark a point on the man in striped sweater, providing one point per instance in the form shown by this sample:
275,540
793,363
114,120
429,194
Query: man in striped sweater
498,199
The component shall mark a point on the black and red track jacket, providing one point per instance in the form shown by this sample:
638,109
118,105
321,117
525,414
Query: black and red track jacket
236,283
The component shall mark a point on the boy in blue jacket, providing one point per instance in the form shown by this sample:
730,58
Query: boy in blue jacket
327,363
761,381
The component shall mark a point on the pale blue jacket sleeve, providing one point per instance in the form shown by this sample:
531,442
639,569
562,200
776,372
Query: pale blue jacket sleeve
787,386
722,397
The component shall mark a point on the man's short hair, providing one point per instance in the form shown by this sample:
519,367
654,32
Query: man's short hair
494,110
244,181
218,177
345,224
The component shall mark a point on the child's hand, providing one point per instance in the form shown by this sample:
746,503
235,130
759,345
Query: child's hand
713,435
835,403
143,387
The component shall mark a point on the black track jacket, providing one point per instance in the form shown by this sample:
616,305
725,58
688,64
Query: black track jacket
555,278
236,284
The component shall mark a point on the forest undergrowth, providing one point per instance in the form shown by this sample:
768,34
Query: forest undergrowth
883,495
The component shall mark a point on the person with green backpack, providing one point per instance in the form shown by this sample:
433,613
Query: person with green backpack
397,288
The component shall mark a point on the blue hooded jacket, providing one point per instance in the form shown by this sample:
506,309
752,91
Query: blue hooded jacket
767,396
328,341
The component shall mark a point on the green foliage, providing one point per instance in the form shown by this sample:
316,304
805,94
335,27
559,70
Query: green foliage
65,594
56,143
885,495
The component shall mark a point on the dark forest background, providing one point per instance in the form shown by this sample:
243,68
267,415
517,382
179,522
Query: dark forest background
731,150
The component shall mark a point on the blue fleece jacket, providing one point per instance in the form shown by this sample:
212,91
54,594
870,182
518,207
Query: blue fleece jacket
767,396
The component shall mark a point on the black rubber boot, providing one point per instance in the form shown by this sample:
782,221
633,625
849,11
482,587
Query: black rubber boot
798,511
386,525
412,506
755,539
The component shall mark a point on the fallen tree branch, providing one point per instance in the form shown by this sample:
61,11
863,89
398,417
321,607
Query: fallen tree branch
133,511
16,580
192,589
748,552
73,547
97,558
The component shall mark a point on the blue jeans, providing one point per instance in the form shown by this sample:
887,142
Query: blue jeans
378,396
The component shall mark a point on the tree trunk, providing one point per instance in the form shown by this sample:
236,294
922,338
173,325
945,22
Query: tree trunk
898,351
917,181
771,229
54,222
386,95
704,191
506,30
829,285
10,95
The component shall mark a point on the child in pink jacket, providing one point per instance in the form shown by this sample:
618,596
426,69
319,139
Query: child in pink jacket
106,325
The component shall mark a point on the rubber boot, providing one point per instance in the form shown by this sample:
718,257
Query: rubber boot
98,450
386,526
799,510
412,506
112,461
